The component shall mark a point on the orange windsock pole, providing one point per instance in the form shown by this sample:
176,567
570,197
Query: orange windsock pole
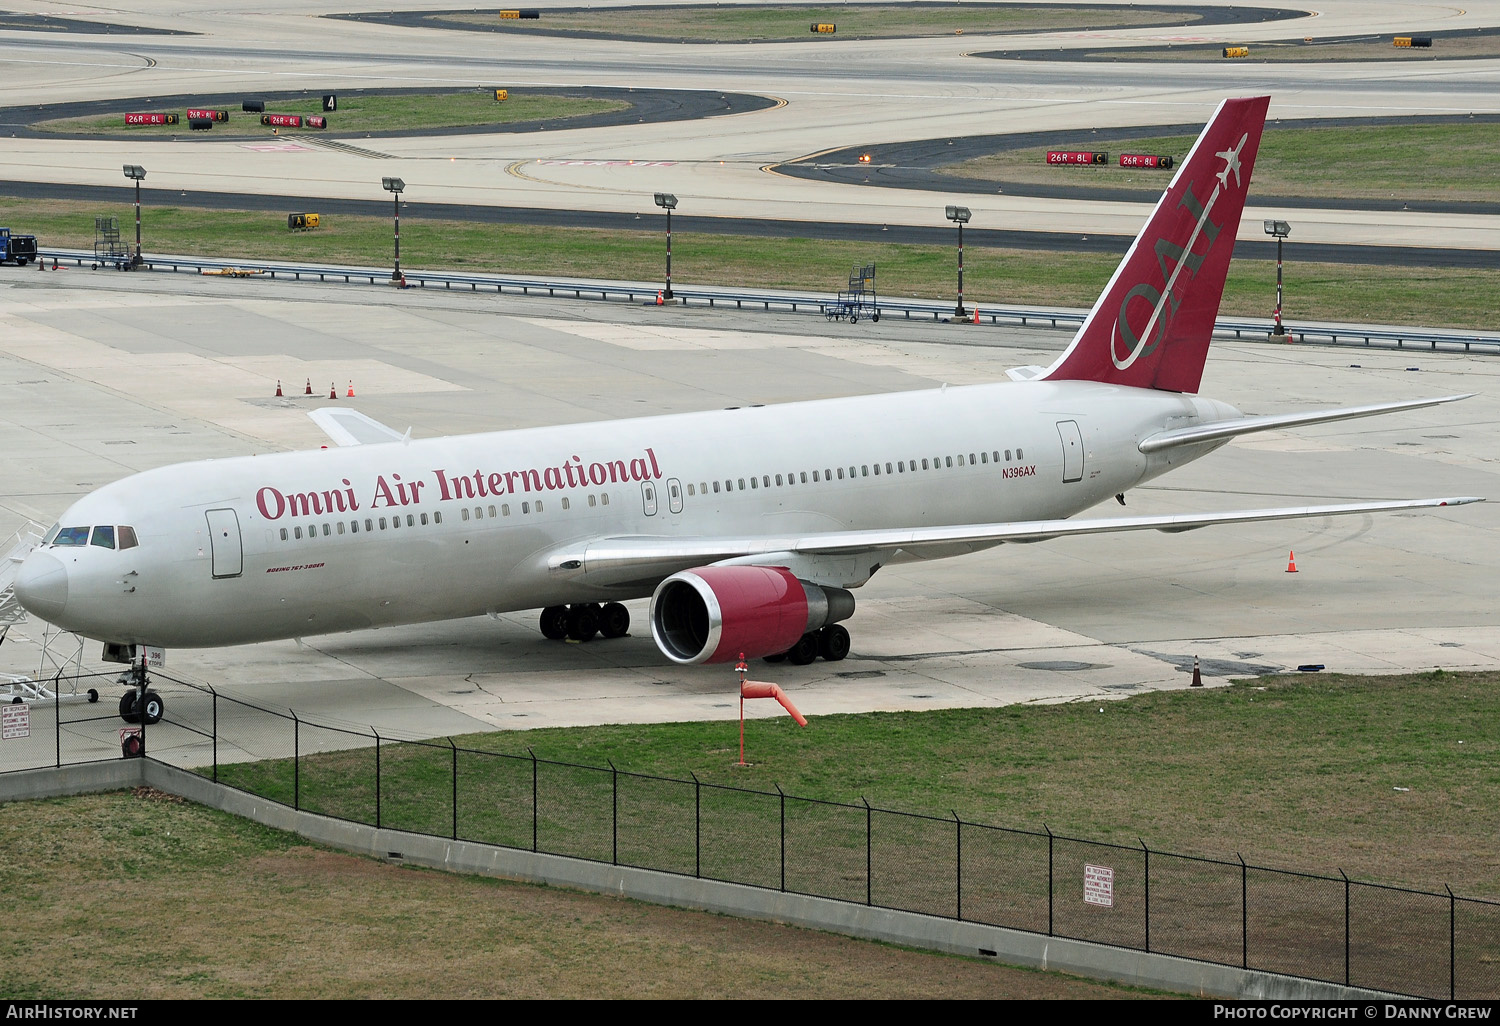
760,689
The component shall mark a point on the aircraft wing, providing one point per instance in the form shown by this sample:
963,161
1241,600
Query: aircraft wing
615,560
1245,425
350,427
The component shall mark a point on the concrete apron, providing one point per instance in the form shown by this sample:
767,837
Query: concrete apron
1012,947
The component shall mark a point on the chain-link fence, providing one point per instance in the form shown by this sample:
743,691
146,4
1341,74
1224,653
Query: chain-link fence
1420,943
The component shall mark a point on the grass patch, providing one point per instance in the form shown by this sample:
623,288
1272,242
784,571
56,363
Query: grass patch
146,897
1392,779
368,113
743,24
1378,162
1433,297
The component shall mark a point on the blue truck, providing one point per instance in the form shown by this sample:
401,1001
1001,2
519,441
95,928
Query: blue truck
20,248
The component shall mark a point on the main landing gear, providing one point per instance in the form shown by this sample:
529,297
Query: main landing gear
130,701
581,621
831,642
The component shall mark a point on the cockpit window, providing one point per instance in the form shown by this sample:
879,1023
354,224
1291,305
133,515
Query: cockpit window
51,533
104,537
72,536
127,538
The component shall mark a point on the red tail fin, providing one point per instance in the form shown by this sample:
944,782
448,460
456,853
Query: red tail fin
1151,326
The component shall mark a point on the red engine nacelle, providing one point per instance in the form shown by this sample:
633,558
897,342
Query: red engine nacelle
711,614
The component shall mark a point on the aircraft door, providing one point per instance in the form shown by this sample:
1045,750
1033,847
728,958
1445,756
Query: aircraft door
648,497
674,495
1072,446
224,538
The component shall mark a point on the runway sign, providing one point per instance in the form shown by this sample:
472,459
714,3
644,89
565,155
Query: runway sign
207,114
200,124
501,95
1236,51
1144,160
1404,41
282,120
303,222
1077,157
151,119
825,27
512,15
330,103
253,106
315,121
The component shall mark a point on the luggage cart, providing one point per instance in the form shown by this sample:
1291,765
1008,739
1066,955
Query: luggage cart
108,249
859,299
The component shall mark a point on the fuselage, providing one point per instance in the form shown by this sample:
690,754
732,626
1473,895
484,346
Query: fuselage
302,543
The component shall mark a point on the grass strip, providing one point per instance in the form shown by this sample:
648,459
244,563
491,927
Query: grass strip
359,113
1433,297
1454,162
1391,779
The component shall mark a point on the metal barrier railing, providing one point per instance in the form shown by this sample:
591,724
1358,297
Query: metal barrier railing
1425,339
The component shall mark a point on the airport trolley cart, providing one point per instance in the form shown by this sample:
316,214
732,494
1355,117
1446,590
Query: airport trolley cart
108,249
858,300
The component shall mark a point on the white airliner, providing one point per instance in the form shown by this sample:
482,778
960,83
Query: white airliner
747,527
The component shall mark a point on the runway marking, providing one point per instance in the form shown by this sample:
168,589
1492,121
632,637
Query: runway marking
276,147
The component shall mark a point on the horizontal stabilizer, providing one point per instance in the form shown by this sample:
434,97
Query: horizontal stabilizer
350,427
1246,425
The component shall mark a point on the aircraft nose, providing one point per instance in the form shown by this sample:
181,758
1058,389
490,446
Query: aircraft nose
42,585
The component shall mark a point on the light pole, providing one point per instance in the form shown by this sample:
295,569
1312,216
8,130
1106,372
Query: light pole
135,173
667,202
959,216
1280,229
395,186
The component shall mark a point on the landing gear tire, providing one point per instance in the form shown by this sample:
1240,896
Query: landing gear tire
93,695
779,657
554,623
833,643
583,621
127,708
804,651
155,708
614,620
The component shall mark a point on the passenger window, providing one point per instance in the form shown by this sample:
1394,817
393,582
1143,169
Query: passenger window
804,477
492,511
766,480
754,483
297,533
604,499
984,457
690,492
505,509
778,481
900,466
971,459
742,484
424,519
593,500
996,455
1020,455
815,476
437,518
478,512
283,534
464,513
1007,455
72,536
382,523
411,521
395,523
877,470
566,504
949,461
525,507
369,524
887,468
104,537
827,473
354,527
539,505
327,530
716,488
340,526
924,464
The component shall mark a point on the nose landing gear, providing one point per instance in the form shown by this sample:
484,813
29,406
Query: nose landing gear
130,701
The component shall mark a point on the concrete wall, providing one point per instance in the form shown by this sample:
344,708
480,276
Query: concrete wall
1011,947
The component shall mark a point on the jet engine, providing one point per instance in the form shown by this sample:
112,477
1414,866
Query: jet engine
711,614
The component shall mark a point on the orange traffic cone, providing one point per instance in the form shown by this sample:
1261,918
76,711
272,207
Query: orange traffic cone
309,387
333,390
976,315
1197,677
351,388
659,300
278,388
1291,562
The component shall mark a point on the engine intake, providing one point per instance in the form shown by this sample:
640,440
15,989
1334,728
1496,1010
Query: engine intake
711,614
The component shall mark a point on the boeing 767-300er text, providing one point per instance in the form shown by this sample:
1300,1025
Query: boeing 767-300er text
747,527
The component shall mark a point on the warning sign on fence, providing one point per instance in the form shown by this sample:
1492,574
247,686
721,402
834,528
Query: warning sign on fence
1099,886
15,721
